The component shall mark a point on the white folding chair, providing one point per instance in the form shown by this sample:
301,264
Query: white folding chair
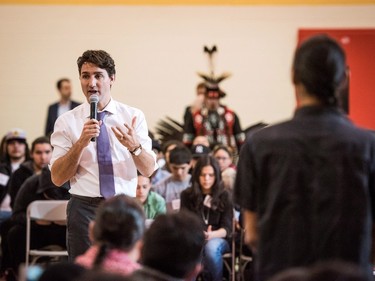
47,210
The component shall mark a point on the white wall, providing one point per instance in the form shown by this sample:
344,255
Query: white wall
157,50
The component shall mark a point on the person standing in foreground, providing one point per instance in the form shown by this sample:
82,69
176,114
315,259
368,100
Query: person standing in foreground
76,159
307,185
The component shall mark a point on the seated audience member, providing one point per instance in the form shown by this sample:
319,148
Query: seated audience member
224,157
198,151
15,151
171,187
41,153
171,249
116,235
153,203
167,147
36,187
212,204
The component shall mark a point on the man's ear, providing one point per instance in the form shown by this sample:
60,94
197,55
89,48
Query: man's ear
112,78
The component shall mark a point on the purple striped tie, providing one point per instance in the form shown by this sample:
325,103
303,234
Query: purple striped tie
106,178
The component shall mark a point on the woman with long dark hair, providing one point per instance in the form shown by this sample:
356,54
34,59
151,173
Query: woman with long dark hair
208,199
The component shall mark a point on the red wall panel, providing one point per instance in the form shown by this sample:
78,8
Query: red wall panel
359,45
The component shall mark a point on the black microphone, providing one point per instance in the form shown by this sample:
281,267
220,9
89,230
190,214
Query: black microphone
93,108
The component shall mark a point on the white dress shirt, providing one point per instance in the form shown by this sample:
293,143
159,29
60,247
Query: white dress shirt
68,128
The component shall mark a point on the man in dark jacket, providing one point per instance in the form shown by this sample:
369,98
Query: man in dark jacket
16,151
64,104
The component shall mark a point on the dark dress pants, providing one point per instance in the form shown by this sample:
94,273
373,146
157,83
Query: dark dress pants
80,211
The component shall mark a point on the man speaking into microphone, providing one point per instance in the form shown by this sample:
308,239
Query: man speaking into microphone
100,157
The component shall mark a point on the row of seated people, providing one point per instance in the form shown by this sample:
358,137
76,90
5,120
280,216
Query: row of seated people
192,180
22,181
176,168
17,163
13,230
16,158
198,175
170,249
206,200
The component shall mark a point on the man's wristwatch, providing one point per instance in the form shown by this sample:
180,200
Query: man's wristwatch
136,151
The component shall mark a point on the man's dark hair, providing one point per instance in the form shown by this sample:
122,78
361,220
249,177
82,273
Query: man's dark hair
319,65
60,81
39,140
98,57
173,244
119,224
180,155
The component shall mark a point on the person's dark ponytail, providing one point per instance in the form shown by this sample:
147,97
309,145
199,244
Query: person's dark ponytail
101,255
319,65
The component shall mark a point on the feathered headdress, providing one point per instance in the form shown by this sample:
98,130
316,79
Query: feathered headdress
212,81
